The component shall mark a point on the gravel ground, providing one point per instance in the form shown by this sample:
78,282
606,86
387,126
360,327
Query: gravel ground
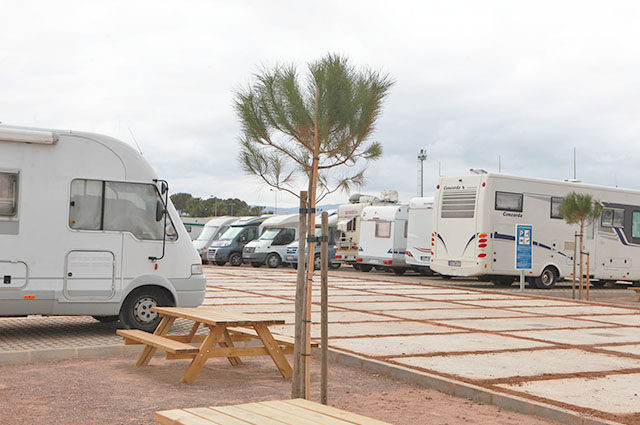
114,391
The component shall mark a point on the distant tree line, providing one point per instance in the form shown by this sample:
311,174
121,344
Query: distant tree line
187,205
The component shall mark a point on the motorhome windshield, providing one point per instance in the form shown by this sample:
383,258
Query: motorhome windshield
207,232
270,234
231,233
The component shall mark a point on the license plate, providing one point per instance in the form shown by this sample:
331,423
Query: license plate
424,258
455,263
291,258
374,261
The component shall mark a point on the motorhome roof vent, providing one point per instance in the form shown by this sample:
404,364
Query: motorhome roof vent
358,198
390,196
478,171
17,135
573,180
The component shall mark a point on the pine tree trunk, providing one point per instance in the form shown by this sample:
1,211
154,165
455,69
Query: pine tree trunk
581,256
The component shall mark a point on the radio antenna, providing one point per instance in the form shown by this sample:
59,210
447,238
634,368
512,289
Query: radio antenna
134,140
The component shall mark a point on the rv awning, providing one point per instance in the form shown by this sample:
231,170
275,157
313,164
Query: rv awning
344,222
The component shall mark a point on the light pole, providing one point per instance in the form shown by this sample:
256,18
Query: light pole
216,205
422,155
275,192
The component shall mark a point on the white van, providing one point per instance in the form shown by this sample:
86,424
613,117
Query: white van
212,230
271,246
383,238
194,225
418,252
474,229
86,228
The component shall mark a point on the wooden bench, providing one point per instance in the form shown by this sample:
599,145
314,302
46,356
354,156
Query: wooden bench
285,412
135,336
247,334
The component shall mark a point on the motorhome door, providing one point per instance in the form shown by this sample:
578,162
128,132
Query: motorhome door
90,275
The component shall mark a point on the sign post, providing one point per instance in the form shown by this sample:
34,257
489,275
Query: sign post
524,247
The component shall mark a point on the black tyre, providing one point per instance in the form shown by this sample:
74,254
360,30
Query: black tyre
255,264
599,283
365,267
136,309
220,262
425,271
503,281
399,270
273,260
334,266
235,259
356,266
547,278
445,276
106,319
294,265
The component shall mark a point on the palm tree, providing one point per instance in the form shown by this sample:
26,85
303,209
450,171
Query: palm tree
578,208
312,132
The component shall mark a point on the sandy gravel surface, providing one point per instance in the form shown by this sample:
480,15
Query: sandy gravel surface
114,391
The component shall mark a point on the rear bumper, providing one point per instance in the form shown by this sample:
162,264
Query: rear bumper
466,269
190,292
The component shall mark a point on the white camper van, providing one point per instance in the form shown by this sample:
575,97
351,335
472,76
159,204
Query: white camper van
212,230
349,224
474,229
418,252
292,248
383,237
194,225
270,247
86,228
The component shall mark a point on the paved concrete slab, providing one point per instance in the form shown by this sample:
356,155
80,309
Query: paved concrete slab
576,310
584,336
629,349
404,305
362,298
613,394
465,313
335,316
471,296
339,330
630,319
393,346
521,363
521,302
514,323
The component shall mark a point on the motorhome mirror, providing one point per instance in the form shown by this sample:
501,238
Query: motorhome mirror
159,211
164,187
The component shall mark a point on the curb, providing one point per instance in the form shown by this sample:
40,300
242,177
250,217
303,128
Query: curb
53,354
468,391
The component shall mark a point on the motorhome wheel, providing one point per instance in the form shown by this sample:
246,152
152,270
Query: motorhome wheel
365,267
502,281
547,279
356,266
136,309
334,266
273,260
399,270
235,259
220,262
255,264
425,271
317,262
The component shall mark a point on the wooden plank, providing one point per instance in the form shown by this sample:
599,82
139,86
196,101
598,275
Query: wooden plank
200,359
162,329
306,413
193,331
243,352
274,350
281,339
214,417
247,416
157,341
278,415
336,413
180,417
185,338
228,343
215,317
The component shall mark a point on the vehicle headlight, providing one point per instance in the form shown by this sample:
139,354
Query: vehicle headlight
196,269
227,243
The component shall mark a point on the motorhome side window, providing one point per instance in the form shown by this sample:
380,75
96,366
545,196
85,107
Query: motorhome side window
612,217
506,201
116,206
635,225
383,229
555,207
8,194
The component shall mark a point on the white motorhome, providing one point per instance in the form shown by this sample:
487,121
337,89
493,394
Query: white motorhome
194,225
292,248
418,252
383,237
270,247
211,231
474,229
87,228
349,224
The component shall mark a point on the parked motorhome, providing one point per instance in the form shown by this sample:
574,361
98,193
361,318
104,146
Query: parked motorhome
270,247
114,245
211,231
474,229
194,225
383,238
418,252
292,248
230,245
349,224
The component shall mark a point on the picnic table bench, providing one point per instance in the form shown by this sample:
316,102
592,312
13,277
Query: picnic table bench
224,327
291,412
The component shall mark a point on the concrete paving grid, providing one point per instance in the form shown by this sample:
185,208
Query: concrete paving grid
580,356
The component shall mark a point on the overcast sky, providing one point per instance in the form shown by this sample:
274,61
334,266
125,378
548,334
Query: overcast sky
526,81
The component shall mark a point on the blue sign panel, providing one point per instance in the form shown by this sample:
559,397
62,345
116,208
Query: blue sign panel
524,245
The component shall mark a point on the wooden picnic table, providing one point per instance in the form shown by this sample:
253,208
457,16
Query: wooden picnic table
291,412
225,328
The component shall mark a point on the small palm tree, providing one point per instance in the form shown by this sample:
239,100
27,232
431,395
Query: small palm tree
579,208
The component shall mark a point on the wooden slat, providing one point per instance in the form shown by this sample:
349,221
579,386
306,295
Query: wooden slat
274,351
200,359
244,352
215,317
228,343
281,339
245,415
336,413
157,341
148,351
306,413
180,417
214,417
275,414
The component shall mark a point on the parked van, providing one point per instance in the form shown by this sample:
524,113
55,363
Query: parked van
212,230
292,248
194,225
270,247
114,245
476,216
230,245
418,252
349,223
383,238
